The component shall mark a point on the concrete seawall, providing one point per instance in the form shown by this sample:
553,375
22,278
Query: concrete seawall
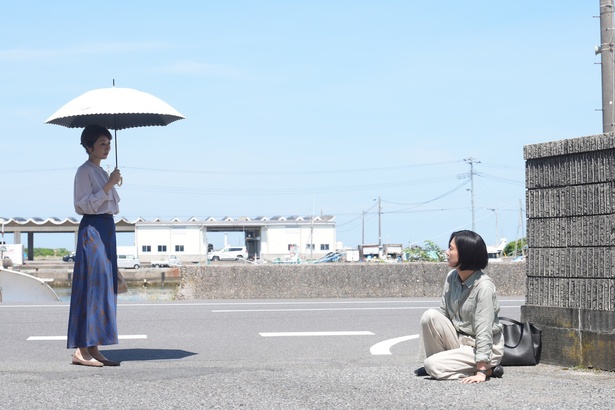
61,276
329,280
334,280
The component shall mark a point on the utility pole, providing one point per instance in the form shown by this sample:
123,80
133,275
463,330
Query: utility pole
606,60
312,238
363,229
472,161
520,228
379,223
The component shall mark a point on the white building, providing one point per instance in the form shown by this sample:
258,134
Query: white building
266,238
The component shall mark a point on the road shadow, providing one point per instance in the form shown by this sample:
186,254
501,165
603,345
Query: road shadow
132,355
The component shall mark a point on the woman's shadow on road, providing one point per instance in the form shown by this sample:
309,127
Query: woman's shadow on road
130,355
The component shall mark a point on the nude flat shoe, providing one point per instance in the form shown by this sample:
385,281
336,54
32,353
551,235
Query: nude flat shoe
91,363
108,362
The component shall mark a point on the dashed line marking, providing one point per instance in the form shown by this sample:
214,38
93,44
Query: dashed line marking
304,334
55,338
315,309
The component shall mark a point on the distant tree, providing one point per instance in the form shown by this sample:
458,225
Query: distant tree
435,252
429,253
509,250
47,252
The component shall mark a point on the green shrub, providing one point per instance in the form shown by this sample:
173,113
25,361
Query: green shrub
509,250
47,252
429,253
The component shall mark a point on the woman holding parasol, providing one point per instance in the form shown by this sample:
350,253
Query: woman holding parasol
94,293
92,319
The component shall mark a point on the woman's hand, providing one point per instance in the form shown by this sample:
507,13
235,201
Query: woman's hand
115,177
477,378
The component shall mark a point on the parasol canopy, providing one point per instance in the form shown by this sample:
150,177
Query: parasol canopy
115,108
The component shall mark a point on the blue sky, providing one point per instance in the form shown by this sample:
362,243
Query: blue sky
303,107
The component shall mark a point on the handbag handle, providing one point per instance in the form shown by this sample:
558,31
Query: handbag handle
510,320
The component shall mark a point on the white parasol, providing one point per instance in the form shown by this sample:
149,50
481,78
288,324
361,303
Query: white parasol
116,109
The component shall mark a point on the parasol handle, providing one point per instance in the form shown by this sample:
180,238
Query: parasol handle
115,143
121,181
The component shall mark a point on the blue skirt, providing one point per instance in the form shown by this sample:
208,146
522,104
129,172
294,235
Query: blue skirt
93,301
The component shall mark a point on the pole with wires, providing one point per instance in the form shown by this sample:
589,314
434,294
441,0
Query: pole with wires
379,225
606,60
472,161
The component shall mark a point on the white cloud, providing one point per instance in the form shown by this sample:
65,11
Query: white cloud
28,54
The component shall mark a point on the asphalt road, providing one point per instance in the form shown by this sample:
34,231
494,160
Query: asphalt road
264,354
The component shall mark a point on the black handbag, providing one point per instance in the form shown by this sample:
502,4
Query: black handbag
522,343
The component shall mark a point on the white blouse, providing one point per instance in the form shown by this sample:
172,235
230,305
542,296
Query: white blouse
89,196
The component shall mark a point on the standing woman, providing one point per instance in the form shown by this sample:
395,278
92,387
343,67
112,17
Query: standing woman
93,303
463,338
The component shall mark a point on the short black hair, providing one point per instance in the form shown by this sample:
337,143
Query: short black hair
471,249
91,133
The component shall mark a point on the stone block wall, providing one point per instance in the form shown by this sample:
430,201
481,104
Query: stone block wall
334,280
570,197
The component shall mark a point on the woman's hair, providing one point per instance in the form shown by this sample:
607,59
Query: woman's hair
91,133
471,249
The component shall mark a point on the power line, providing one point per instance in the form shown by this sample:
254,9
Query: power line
241,173
416,205
24,171
287,190
499,179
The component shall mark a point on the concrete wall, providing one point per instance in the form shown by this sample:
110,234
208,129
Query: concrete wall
334,280
571,260
61,277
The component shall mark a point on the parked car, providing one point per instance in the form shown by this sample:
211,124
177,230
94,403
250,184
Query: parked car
330,257
69,258
128,262
229,253
167,263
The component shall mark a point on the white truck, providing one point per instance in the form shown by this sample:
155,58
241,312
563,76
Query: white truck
369,252
393,251
167,263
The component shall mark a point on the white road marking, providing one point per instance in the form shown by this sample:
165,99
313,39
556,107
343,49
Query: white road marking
384,347
49,338
198,304
300,334
313,309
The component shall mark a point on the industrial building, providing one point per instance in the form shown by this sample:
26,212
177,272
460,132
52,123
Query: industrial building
277,237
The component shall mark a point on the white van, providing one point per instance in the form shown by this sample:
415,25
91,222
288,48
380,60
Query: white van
128,262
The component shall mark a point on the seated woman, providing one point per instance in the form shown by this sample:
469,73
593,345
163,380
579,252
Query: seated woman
463,338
